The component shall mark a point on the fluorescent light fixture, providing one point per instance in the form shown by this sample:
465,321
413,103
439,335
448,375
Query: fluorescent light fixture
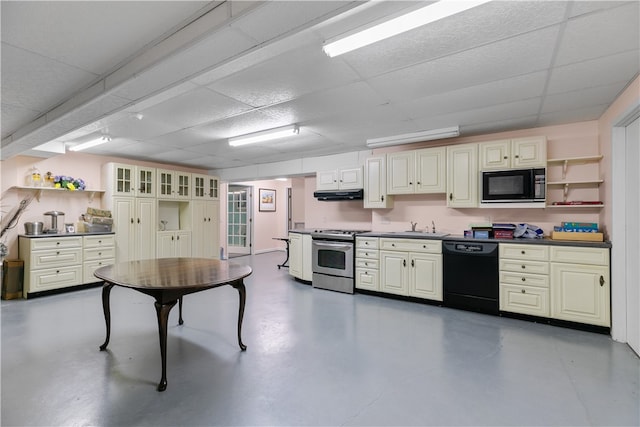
417,18
407,138
91,143
265,135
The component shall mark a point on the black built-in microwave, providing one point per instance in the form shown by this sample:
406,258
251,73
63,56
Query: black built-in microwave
513,186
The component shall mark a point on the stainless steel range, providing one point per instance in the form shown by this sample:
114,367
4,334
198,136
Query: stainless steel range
333,259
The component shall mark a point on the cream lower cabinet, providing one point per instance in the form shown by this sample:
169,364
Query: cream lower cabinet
300,256
411,267
50,262
97,251
367,264
580,283
174,244
524,279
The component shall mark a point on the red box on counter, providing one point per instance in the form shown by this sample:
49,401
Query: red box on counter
503,234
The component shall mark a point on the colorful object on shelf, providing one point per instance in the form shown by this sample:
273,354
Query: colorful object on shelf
68,183
49,179
577,227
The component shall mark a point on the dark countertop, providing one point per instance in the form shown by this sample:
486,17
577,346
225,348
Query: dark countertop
450,237
303,230
37,236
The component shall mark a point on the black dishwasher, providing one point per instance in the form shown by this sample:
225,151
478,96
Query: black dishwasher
470,275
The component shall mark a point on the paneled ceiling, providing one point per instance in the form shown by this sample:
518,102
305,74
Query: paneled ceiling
201,72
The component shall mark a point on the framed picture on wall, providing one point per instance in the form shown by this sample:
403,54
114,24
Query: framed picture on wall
267,200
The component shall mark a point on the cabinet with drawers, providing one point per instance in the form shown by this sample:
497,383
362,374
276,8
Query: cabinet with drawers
97,251
411,267
51,262
524,279
367,264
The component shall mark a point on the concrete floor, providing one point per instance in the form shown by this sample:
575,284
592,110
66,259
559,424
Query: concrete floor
314,357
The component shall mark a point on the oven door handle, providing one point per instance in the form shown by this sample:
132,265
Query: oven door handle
333,245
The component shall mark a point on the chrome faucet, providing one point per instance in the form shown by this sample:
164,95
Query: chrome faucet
433,227
413,225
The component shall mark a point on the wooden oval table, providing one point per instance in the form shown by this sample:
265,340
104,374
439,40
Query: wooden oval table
168,280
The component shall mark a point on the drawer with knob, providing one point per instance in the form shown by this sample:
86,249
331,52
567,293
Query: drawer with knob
537,280
55,257
368,262
411,245
524,266
531,252
524,299
366,243
54,278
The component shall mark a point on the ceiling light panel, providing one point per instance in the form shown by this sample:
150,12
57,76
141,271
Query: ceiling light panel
417,18
266,135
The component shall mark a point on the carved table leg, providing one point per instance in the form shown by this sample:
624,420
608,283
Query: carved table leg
180,321
163,316
239,285
106,308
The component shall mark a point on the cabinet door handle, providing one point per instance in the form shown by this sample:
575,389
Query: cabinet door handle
523,267
131,220
523,291
57,243
601,280
404,262
410,183
138,220
171,237
517,157
450,196
413,264
524,279
58,253
178,238
57,271
418,182
382,198
505,157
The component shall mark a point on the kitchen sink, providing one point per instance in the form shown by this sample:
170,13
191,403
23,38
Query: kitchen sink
424,234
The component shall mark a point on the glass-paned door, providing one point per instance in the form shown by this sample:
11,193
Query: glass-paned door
239,220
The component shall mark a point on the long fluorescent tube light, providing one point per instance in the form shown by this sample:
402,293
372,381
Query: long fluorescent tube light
265,135
90,144
407,138
395,26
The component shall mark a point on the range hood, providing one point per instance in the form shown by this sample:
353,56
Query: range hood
333,195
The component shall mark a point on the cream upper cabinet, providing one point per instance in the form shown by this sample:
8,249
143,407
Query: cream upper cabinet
205,187
417,171
173,184
580,285
431,170
513,153
129,180
375,183
339,179
462,176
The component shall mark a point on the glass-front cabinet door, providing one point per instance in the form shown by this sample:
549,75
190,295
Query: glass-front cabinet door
123,177
146,181
165,184
212,187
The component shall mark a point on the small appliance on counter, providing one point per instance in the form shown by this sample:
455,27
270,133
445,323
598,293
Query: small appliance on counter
34,228
54,221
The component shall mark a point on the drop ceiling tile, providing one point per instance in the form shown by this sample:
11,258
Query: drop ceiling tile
484,95
173,156
14,117
583,7
571,116
600,95
92,36
526,122
139,129
276,18
285,77
603,71
502,112
196,107
211,162
354,96
38,83
487,23
600,34
526,54
252,121
185,138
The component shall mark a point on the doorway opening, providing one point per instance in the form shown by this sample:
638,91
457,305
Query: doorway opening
239,208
